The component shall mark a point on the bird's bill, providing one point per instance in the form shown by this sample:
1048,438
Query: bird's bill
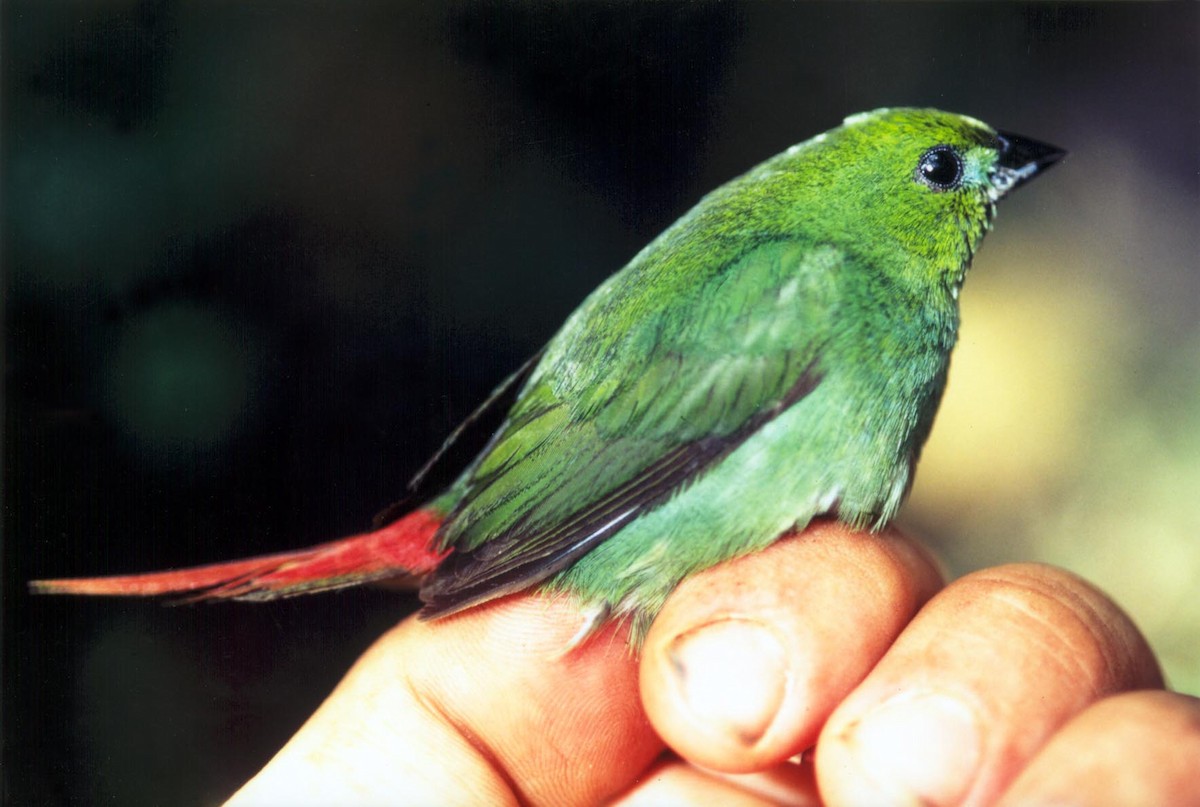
1021,159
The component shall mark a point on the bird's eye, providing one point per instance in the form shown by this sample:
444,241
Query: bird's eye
940,168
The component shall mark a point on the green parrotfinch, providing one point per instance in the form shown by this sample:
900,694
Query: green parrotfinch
776,355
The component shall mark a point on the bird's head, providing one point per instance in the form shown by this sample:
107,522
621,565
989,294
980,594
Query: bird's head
919,182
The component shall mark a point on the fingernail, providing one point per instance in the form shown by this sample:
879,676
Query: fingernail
917,749
732,676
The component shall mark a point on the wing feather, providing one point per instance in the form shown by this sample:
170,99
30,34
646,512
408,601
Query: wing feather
586,449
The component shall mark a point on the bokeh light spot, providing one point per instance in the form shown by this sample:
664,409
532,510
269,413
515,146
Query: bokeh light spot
182,380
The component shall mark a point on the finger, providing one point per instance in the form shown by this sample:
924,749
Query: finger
747,660
1140,748
983,676
675,783
481,708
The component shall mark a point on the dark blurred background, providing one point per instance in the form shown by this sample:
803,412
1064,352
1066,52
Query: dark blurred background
260,259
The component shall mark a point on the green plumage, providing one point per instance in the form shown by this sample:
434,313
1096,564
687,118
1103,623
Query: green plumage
777,354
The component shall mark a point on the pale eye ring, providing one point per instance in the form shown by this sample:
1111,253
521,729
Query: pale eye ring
941,168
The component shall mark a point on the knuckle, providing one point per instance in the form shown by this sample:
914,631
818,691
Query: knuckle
1073,625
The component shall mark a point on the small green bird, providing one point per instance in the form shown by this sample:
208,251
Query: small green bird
775,355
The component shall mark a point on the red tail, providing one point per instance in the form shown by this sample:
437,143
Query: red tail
400,548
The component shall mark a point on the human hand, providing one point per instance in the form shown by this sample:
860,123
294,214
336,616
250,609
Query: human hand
1002,687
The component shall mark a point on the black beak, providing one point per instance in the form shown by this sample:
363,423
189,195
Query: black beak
1021,159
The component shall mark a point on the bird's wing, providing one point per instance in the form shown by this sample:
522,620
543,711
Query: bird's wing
467,439
662,372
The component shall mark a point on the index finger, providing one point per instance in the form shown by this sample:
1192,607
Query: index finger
481,708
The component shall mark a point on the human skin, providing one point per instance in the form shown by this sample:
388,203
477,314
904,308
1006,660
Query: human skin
1020,684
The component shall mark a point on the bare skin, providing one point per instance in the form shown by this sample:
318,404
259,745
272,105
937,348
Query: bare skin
1021,684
